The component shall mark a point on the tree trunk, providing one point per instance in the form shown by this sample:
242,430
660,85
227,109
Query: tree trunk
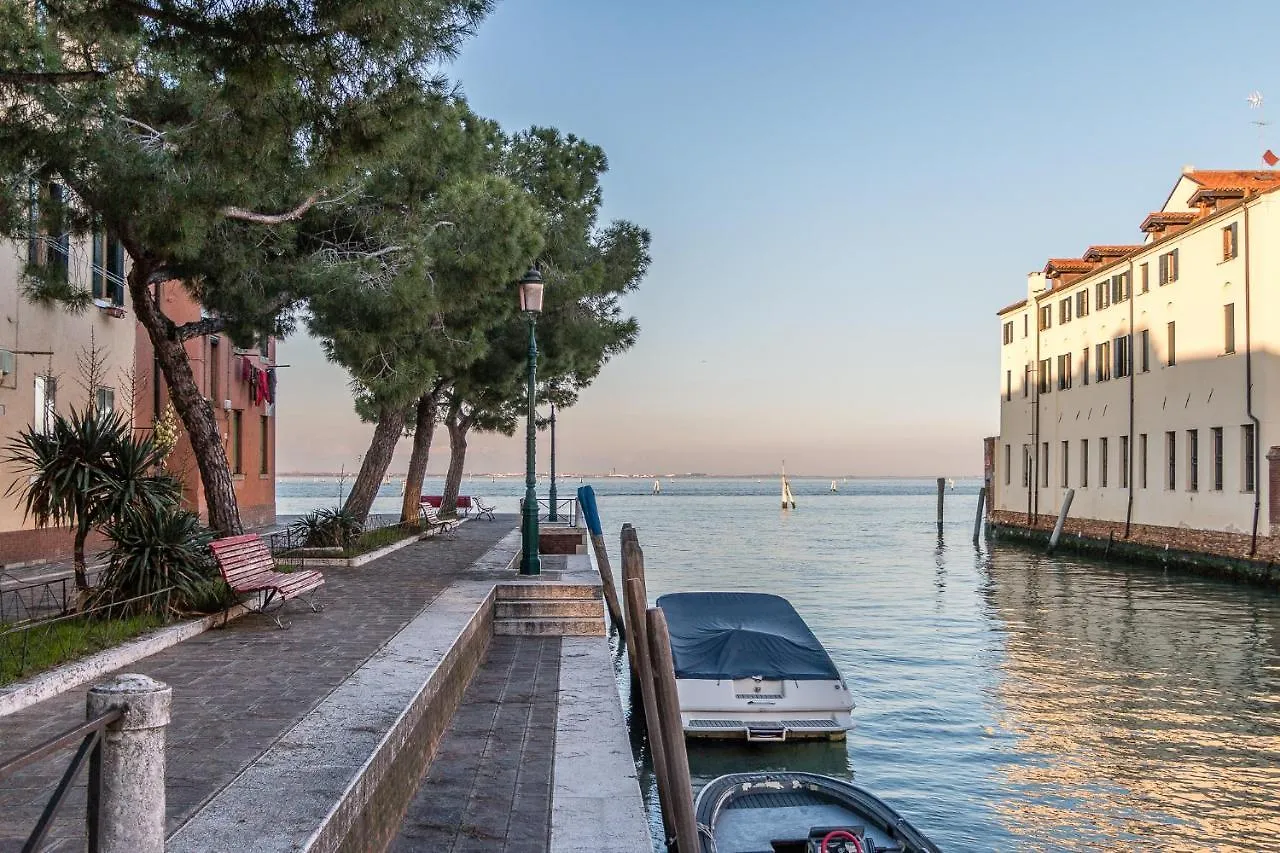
458,426
196,413
77,559
376,461
423,430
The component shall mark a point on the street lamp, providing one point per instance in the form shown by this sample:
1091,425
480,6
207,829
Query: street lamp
551,516
531,304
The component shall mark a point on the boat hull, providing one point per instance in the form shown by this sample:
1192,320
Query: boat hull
792,812
758,710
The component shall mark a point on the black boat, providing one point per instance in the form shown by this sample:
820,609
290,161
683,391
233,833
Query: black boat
800,813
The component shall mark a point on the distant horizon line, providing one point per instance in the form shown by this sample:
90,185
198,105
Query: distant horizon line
618,476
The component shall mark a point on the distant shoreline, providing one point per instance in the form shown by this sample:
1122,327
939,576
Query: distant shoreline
772,474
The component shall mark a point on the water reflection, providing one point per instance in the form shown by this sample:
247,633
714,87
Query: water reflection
1143,707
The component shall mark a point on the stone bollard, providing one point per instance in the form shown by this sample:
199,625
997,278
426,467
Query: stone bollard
131,802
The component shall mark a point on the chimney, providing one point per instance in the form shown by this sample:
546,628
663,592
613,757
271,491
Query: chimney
1188,169
1036,284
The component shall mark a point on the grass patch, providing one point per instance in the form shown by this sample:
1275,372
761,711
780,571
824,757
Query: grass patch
40,647
380,538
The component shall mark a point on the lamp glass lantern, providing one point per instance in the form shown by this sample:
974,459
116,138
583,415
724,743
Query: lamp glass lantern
531,292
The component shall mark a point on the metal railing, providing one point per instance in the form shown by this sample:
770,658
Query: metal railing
567,510
87,738
23,602
94,626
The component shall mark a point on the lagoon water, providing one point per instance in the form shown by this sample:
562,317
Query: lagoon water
1006,701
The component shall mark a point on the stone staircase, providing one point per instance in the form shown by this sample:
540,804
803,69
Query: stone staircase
548,609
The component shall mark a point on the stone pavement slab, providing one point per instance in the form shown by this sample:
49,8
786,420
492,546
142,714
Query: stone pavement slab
489,786
238,689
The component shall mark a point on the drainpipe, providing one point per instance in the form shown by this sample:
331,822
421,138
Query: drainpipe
1035,427
1248,390
1133,439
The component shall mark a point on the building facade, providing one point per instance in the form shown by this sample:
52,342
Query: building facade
240,385
1144,377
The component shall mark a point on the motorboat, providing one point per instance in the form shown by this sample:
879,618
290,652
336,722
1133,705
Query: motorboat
785,812
747,666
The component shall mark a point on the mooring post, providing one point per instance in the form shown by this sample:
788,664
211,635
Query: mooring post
632,570
587,503
634,593
977,519
683,818
1062,519
131,800
942,485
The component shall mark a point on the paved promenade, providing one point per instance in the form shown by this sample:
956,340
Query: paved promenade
489,787
238,689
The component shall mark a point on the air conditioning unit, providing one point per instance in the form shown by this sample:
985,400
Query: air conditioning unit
6,362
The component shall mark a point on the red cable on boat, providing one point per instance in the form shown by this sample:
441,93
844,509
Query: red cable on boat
841,833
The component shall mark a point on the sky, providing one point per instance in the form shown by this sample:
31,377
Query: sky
841,196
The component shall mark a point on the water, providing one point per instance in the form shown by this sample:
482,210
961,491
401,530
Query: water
1005,700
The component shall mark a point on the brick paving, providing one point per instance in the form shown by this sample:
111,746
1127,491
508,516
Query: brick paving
489,785
237,689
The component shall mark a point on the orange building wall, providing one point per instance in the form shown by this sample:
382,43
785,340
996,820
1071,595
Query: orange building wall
217,367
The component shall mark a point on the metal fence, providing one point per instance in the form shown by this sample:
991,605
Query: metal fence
567,510
24,602
35,643
87,739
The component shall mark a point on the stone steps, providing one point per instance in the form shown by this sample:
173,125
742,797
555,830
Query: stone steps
548,609
537,608
550,627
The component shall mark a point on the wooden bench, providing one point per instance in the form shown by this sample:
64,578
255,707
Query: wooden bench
247,566
431,520
463,504
484,510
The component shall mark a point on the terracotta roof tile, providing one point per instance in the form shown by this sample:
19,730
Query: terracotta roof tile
1068,265
1006,309
1101,253
1250,179
1171,217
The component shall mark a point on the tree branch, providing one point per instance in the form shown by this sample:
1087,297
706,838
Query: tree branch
243,215
203,326
28,78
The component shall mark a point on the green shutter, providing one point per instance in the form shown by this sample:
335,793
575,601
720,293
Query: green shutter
96,271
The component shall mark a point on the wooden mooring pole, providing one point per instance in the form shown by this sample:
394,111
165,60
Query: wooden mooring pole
634,593
942,487
977,519
1062,520
679,780
606,579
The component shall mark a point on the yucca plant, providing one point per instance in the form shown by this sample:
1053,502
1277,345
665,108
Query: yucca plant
84,470
154,549
328,528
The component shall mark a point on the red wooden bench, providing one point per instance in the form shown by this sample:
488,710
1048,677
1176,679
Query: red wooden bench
247,566
464,502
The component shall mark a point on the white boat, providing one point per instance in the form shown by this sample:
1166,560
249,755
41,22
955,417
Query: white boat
747,666
833,486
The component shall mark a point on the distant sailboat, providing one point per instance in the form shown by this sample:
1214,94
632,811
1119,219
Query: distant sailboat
788,501
657,487
833,486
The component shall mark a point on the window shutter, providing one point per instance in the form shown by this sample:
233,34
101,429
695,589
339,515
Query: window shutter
96,271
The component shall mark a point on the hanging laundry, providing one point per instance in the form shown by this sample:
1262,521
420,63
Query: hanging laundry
262,387
271,385
253,384
245,367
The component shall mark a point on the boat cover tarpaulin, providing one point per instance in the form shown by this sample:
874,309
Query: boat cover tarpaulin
725,635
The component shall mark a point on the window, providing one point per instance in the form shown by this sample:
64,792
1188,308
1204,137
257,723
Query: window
264,346
1229,328
1064,372
104,400
237,443
1046,375
1142,460
1026,379
107,271
1171,454
1122,356
1026,465
1169,267
48,243
1008,385
1230,247
1007,331
1064,311
1102,462
1102,365
1124,461
1119,287
1084,366
1024,325
1008,464
1193,460
1084,463
1249,460
1172,359
215,370
1065,475
264,446
1144,275
1102,295
1046,316
1082,303
1145,345
1216,434
1044,464
46,404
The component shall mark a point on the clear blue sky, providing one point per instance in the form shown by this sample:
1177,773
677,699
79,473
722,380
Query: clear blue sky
841,196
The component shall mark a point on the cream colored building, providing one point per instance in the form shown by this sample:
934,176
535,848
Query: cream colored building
39,370
1145,376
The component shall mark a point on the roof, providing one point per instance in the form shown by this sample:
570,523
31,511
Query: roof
1162,218
1246,179
1099,253
1068,265
1006,309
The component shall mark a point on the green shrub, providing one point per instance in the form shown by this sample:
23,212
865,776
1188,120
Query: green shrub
328,528
155,549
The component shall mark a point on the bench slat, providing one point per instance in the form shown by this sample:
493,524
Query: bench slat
247,565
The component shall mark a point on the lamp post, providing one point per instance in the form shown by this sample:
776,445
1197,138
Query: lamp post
531,304
551,516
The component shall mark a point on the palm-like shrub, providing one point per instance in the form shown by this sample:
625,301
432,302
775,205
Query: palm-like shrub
84,471
328,528
154,549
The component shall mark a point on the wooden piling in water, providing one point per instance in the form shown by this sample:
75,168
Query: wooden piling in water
1062,520
635,596
977,520
942,486
679,780
606,579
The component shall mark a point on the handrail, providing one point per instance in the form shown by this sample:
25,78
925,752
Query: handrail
89,734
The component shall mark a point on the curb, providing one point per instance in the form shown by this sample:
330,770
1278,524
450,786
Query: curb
22,694
357,562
